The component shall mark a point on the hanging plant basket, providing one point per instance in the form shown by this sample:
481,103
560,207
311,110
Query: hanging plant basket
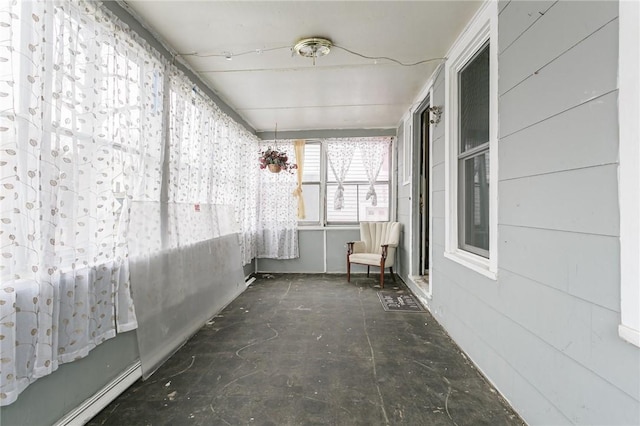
276,161
275,168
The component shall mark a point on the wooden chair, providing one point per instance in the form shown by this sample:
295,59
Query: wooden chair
376,248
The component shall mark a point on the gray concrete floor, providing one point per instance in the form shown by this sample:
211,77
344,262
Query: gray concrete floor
302,349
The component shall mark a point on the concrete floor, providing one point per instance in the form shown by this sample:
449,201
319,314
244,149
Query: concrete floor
301,349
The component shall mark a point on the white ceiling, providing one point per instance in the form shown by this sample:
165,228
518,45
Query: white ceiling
342,91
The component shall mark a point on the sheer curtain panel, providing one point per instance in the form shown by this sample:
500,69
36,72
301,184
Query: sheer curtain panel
339,153
211,162
202,232
80,120
373,151
277,209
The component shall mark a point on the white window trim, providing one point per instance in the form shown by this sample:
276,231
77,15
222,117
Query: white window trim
407,142
629,171
308,224
483,27
430,190
325,180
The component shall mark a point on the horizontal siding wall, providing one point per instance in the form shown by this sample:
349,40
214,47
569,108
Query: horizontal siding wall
404,203
545,332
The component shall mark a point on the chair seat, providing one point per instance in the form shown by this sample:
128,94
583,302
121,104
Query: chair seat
365,258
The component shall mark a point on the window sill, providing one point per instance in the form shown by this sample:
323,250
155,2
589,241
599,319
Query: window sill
355,227
629,334
474,262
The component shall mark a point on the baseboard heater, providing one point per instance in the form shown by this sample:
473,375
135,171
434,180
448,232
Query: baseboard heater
92,406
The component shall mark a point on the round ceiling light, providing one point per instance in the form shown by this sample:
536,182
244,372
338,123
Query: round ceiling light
313,47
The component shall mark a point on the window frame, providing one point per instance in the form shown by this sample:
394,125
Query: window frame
481,31
357,184
303,223
325,183
629,171
407,148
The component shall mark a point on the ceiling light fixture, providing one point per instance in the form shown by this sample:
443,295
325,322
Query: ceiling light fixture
313,47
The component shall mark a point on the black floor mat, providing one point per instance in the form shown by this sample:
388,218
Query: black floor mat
398,302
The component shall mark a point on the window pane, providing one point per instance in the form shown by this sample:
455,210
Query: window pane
384,169
378,213
474,232
357,172
474,101
311,170
349,212
356,206
311,195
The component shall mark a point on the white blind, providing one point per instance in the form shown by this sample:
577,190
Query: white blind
311,171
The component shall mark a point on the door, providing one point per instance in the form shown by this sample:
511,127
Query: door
424,191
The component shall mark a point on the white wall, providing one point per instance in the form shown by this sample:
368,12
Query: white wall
322,250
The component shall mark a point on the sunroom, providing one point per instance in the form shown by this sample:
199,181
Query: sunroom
137,200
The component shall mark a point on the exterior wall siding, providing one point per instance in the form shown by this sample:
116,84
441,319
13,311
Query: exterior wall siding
403,207
545,332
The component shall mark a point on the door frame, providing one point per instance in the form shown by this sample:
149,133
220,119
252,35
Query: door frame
416,141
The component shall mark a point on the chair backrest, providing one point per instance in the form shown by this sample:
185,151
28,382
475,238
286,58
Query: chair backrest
375,234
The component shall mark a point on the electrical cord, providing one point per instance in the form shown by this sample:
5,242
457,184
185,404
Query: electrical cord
375,58
229,55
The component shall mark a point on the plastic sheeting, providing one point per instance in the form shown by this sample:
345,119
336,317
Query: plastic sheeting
186,266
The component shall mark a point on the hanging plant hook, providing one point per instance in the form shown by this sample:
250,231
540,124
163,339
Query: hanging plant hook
275,137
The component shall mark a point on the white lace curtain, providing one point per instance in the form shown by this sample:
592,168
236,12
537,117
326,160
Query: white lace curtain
340,152
212,161
277,236
74,99
373,153
83,120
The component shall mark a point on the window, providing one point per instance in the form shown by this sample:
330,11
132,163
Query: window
473,154
319,183
471,199
356,206
311,182
81,120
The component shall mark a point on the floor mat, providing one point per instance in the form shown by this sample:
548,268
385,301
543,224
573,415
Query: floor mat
394,302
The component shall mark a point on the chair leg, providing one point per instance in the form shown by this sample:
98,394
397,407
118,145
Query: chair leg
368,271
348,270
382,273
393,277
